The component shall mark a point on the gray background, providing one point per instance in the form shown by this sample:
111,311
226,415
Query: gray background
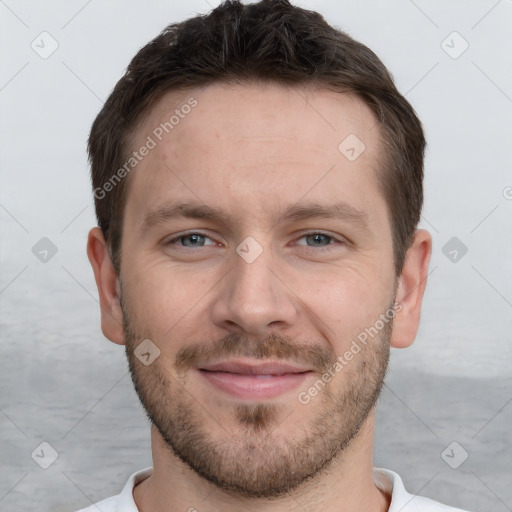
62,383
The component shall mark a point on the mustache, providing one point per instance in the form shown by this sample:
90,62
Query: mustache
273,346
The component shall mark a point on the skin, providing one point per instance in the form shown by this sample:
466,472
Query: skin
253,150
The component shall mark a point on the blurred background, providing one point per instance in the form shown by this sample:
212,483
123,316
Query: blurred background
71,427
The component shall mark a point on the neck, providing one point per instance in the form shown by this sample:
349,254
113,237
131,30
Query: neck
347,485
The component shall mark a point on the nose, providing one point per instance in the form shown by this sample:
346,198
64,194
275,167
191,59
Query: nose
254,298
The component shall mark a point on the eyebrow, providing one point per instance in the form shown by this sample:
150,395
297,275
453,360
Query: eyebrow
296,212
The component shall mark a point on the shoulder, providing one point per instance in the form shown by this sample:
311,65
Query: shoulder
124,501
403,501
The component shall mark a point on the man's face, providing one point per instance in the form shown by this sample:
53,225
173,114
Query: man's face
250,308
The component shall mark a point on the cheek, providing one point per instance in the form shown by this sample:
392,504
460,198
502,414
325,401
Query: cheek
346,303
335,301
162,299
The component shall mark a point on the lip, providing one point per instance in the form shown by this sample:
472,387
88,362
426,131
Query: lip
254,381
258,368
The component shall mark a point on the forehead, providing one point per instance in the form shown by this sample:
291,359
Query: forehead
256,145
262,110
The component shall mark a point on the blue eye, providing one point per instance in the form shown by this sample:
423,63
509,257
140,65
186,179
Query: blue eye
317,239
195,239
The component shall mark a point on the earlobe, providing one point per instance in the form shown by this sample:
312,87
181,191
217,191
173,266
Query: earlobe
410,291
108,286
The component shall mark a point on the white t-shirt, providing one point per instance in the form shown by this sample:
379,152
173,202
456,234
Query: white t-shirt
401,500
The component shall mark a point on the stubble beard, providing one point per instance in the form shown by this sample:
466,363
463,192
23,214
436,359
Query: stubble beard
255,459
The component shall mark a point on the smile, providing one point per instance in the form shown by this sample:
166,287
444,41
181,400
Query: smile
254,381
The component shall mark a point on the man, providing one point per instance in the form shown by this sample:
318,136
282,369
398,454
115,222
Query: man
258,185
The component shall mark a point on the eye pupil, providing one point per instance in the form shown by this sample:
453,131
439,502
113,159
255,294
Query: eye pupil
318,237
198,240
193,238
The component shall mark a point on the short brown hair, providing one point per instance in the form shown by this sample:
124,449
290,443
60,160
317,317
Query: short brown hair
269,41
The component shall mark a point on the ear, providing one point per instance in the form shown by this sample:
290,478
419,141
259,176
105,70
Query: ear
411,287
108,286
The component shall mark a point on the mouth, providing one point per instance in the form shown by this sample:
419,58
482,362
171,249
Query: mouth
254,380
